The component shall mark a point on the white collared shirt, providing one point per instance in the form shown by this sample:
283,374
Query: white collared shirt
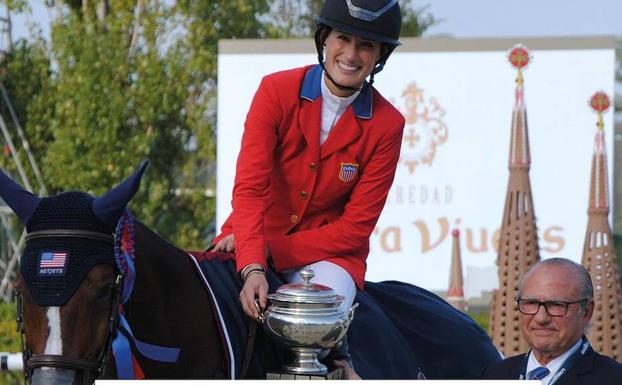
554,365
332,108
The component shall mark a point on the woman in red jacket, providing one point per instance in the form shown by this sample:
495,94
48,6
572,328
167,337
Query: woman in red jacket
318,157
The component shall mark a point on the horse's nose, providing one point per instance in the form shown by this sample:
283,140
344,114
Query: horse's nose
52,376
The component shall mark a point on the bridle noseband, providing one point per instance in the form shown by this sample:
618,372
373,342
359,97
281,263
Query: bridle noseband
95,368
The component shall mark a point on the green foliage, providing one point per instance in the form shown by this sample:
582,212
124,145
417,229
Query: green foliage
9,340
415,20
25,74
292,18
112,110
16,5
482,318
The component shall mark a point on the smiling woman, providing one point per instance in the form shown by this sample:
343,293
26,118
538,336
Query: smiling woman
316,138
349,60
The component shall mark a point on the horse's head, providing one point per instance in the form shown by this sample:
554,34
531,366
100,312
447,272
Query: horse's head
69,281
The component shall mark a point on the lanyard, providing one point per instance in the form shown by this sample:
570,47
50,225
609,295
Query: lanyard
568,363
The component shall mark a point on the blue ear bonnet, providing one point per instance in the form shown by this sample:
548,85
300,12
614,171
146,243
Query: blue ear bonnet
54,263
54,267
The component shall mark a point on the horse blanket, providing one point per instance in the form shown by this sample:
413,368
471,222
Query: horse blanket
399,330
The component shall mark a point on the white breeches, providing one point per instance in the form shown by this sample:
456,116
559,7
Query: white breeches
331,275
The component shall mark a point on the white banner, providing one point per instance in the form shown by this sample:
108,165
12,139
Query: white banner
453,171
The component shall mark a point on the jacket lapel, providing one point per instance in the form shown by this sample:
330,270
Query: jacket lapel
309,123
311,109
583,366
348,127
346,131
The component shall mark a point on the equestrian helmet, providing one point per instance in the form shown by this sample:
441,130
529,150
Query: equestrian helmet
378,20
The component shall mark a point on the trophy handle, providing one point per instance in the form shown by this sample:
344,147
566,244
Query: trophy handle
262,315
351,312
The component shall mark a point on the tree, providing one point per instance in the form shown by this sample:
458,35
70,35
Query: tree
111,99
415,20
25,75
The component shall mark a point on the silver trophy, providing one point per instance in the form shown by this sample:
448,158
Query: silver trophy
305,318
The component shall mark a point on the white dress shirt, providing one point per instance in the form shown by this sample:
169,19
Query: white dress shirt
554,365
332,108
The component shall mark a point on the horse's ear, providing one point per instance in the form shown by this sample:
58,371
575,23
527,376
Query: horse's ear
110,206
22,202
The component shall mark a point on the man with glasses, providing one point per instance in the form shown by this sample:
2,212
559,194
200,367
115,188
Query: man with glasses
555,299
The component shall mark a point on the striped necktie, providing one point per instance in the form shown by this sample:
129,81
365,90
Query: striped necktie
538,373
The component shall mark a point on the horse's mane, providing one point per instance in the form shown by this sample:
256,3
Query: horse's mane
151,243
169,305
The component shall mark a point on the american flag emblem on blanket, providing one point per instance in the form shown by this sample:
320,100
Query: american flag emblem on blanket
52,263
347,171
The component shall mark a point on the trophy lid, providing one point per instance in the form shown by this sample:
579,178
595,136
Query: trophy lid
307,292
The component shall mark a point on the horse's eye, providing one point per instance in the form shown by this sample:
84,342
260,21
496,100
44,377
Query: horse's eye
104,292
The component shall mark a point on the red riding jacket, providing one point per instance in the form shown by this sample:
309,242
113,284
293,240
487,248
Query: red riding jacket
308,202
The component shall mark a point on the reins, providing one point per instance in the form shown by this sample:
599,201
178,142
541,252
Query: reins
250,345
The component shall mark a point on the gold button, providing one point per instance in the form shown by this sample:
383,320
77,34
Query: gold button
294,218
312,166
304,195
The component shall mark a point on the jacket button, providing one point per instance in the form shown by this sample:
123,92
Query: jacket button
294,218
312,167
304,195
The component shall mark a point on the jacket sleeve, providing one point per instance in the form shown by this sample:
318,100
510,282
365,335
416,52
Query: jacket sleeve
252,179
351,231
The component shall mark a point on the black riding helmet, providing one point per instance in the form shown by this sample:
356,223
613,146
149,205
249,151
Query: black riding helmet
378,20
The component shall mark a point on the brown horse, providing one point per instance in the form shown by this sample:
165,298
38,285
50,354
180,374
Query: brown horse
71,286
104,296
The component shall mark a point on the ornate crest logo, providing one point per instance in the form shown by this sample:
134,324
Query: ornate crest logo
347,171
425,129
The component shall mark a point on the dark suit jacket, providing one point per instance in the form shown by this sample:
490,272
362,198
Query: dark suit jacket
591,369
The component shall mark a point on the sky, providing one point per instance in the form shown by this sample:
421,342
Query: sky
474,18
503,18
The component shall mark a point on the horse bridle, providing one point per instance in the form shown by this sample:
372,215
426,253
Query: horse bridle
95,368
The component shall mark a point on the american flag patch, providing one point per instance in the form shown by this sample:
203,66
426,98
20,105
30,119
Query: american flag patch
347,171
52,263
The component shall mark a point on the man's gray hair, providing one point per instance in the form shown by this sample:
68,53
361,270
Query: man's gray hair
587,290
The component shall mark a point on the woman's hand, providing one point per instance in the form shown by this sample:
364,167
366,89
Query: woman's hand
255,286
226,244
348,371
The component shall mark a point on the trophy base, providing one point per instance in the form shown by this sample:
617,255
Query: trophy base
336,374
304,361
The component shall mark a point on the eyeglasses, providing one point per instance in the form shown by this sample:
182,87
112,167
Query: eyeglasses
553,308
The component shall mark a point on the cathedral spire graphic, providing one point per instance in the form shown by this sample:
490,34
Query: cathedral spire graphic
599,256
455,294
518,239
